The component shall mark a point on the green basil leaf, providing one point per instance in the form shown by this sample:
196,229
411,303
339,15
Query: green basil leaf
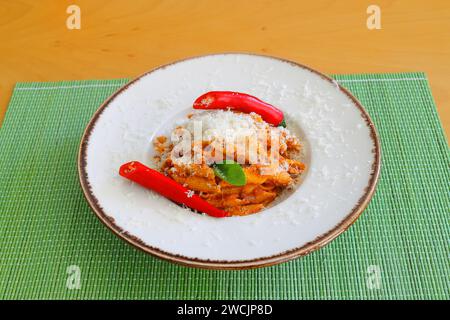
231,172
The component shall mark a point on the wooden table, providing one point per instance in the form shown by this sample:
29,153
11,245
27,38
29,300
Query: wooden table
125,38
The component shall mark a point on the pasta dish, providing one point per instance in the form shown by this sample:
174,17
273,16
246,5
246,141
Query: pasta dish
268,155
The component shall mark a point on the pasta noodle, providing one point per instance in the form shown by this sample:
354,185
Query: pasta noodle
276,170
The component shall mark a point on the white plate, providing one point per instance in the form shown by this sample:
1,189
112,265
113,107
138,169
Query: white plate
343,163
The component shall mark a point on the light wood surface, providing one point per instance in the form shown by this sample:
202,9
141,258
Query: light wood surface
125,38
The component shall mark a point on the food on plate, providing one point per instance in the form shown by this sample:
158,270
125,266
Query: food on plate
232,157
152,179
237,101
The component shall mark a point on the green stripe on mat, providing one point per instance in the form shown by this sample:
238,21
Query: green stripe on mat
46,225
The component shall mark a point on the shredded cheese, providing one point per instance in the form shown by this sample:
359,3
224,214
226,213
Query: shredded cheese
225,127
220,124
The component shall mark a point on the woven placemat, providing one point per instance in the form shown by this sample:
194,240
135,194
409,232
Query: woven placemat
52,245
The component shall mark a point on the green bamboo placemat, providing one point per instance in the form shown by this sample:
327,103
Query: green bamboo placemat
52,245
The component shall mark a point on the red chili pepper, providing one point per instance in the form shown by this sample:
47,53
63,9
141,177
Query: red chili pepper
152,179
240,102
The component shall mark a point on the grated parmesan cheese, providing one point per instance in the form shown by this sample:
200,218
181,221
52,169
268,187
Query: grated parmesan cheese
225,127
222,124
190,193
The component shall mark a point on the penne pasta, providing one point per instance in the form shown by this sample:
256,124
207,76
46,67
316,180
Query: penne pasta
269,167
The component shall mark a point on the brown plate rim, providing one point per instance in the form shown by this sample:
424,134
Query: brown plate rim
285,256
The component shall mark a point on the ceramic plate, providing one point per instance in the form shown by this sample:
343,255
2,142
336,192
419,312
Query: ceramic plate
342,155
